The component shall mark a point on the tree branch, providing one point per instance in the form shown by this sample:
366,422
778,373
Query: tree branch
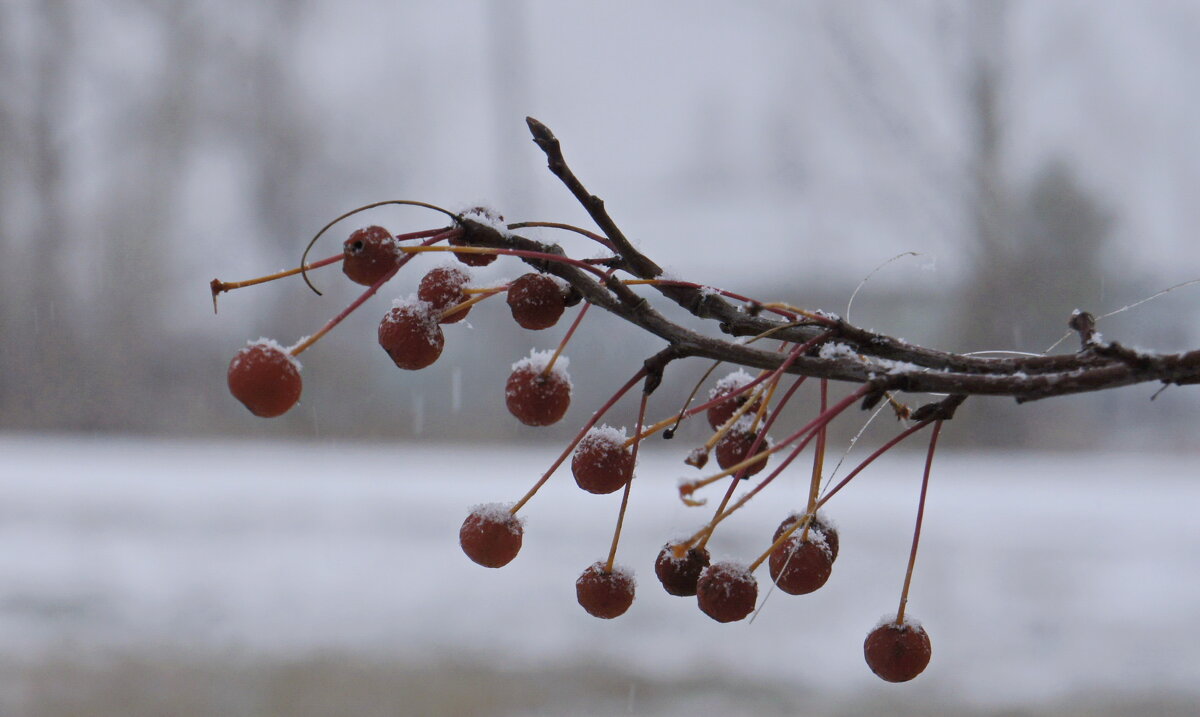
851,354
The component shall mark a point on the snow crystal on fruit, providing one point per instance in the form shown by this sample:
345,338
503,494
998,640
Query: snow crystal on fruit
537,361
730,382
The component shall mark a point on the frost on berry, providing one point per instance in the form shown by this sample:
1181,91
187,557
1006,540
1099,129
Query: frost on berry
721,412
734,447
679,575
536,397
443,288
605,594
801,565
265,378
369,254
602,463
897,653
491,535
410,334
726,591
536,300
820,523
486,216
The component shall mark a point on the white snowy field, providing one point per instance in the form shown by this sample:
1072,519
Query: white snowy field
1048,583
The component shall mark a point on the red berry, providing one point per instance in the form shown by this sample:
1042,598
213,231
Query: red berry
484,216
679,575
602,463
410,334
820,523
491,535
536,300
265,378
897,653
726,592
443,288
734,447
370,253
721,412
605,594
800,567
537,399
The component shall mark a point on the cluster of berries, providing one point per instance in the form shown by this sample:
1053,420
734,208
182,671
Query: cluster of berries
740,410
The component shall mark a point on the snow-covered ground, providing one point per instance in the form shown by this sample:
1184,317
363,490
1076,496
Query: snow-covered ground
1041,577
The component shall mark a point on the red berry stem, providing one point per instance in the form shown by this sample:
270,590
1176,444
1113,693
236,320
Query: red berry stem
912,555
866,462
612,551
563,344
814,486
480,295
809,431
219,287
303,345
800,349
523,253
737,478
578,437
569,227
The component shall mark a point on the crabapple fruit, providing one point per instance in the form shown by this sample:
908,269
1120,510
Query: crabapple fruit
679,575
897,653
602,463
370,253
605,594
410,334
491,535
536,300
443,288
726,592
265,378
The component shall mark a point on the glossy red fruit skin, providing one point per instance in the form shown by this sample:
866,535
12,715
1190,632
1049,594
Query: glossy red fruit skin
897,653
443,288
491,536
536,301
600,465
734,447
726,592
410,335
265,379
537,400
820,523
680,575
603,594
800,567
369,254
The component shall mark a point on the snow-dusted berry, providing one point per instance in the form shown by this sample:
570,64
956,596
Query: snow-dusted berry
443,288
679,575
734,447
484,216
605,594
897,653
801,566
491,535
370,253
536,397
820,523
721,412
265,378
536,300
602,463
410,334
726,592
